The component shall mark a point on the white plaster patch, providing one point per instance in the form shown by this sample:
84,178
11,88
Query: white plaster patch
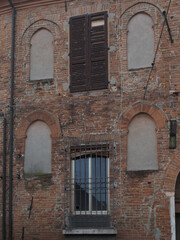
113,80
169,194
65,56
65,86
112,49
65,26
114,89
157,233
111,17
172,216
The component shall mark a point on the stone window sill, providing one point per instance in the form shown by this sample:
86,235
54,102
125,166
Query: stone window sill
30,176
108,231
139,68
48,80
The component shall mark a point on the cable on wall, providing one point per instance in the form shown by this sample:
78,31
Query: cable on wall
154,60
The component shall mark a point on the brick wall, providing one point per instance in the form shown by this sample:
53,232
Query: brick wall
142,199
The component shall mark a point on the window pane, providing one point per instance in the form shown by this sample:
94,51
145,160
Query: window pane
99,183
82,184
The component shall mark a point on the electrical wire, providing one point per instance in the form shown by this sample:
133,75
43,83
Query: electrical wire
154,60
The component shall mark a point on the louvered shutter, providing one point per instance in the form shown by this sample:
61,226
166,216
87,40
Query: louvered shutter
78,53
88,52
98,51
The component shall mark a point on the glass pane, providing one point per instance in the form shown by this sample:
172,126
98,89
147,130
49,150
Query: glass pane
82,184
99,183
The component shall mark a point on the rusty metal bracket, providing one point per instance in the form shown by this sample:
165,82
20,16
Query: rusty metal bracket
22,236
167,24
65,3
30,208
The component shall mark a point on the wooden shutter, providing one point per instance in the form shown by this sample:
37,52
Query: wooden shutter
98,51
88,52
78,53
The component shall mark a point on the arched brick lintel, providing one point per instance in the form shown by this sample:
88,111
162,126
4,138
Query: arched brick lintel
143,107
44,116
139,7
172,172
49,26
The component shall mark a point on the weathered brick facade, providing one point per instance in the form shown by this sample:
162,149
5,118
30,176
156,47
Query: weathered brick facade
140,201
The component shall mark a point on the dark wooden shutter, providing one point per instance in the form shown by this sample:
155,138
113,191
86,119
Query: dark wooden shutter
78,53
98,51
88,52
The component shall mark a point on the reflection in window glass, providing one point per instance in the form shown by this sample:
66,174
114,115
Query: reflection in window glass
99,175
81,184
91,183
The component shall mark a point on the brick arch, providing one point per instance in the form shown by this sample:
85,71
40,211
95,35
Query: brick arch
25,52
136,13
140,6
143,107
172,172
44,116
37,30
128,13
41,23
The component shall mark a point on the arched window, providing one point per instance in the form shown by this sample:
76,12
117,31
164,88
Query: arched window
140,42
38,149
41,55
142,144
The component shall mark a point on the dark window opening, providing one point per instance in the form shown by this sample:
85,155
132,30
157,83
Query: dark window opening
90,179
90,183
172,139
89,202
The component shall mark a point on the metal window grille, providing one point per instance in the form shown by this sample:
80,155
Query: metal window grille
88,187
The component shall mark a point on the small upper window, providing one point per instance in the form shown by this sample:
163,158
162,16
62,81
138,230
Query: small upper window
38,149
88,52
41,55
140,42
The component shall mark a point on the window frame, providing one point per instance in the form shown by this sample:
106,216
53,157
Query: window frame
90,211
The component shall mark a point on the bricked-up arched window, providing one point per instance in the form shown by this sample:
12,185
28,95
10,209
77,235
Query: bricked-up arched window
41,67
142,144
140,42
38,149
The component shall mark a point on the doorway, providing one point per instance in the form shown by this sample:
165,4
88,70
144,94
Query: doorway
177,207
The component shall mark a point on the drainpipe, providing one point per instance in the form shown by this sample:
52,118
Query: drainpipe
4,181
11,123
